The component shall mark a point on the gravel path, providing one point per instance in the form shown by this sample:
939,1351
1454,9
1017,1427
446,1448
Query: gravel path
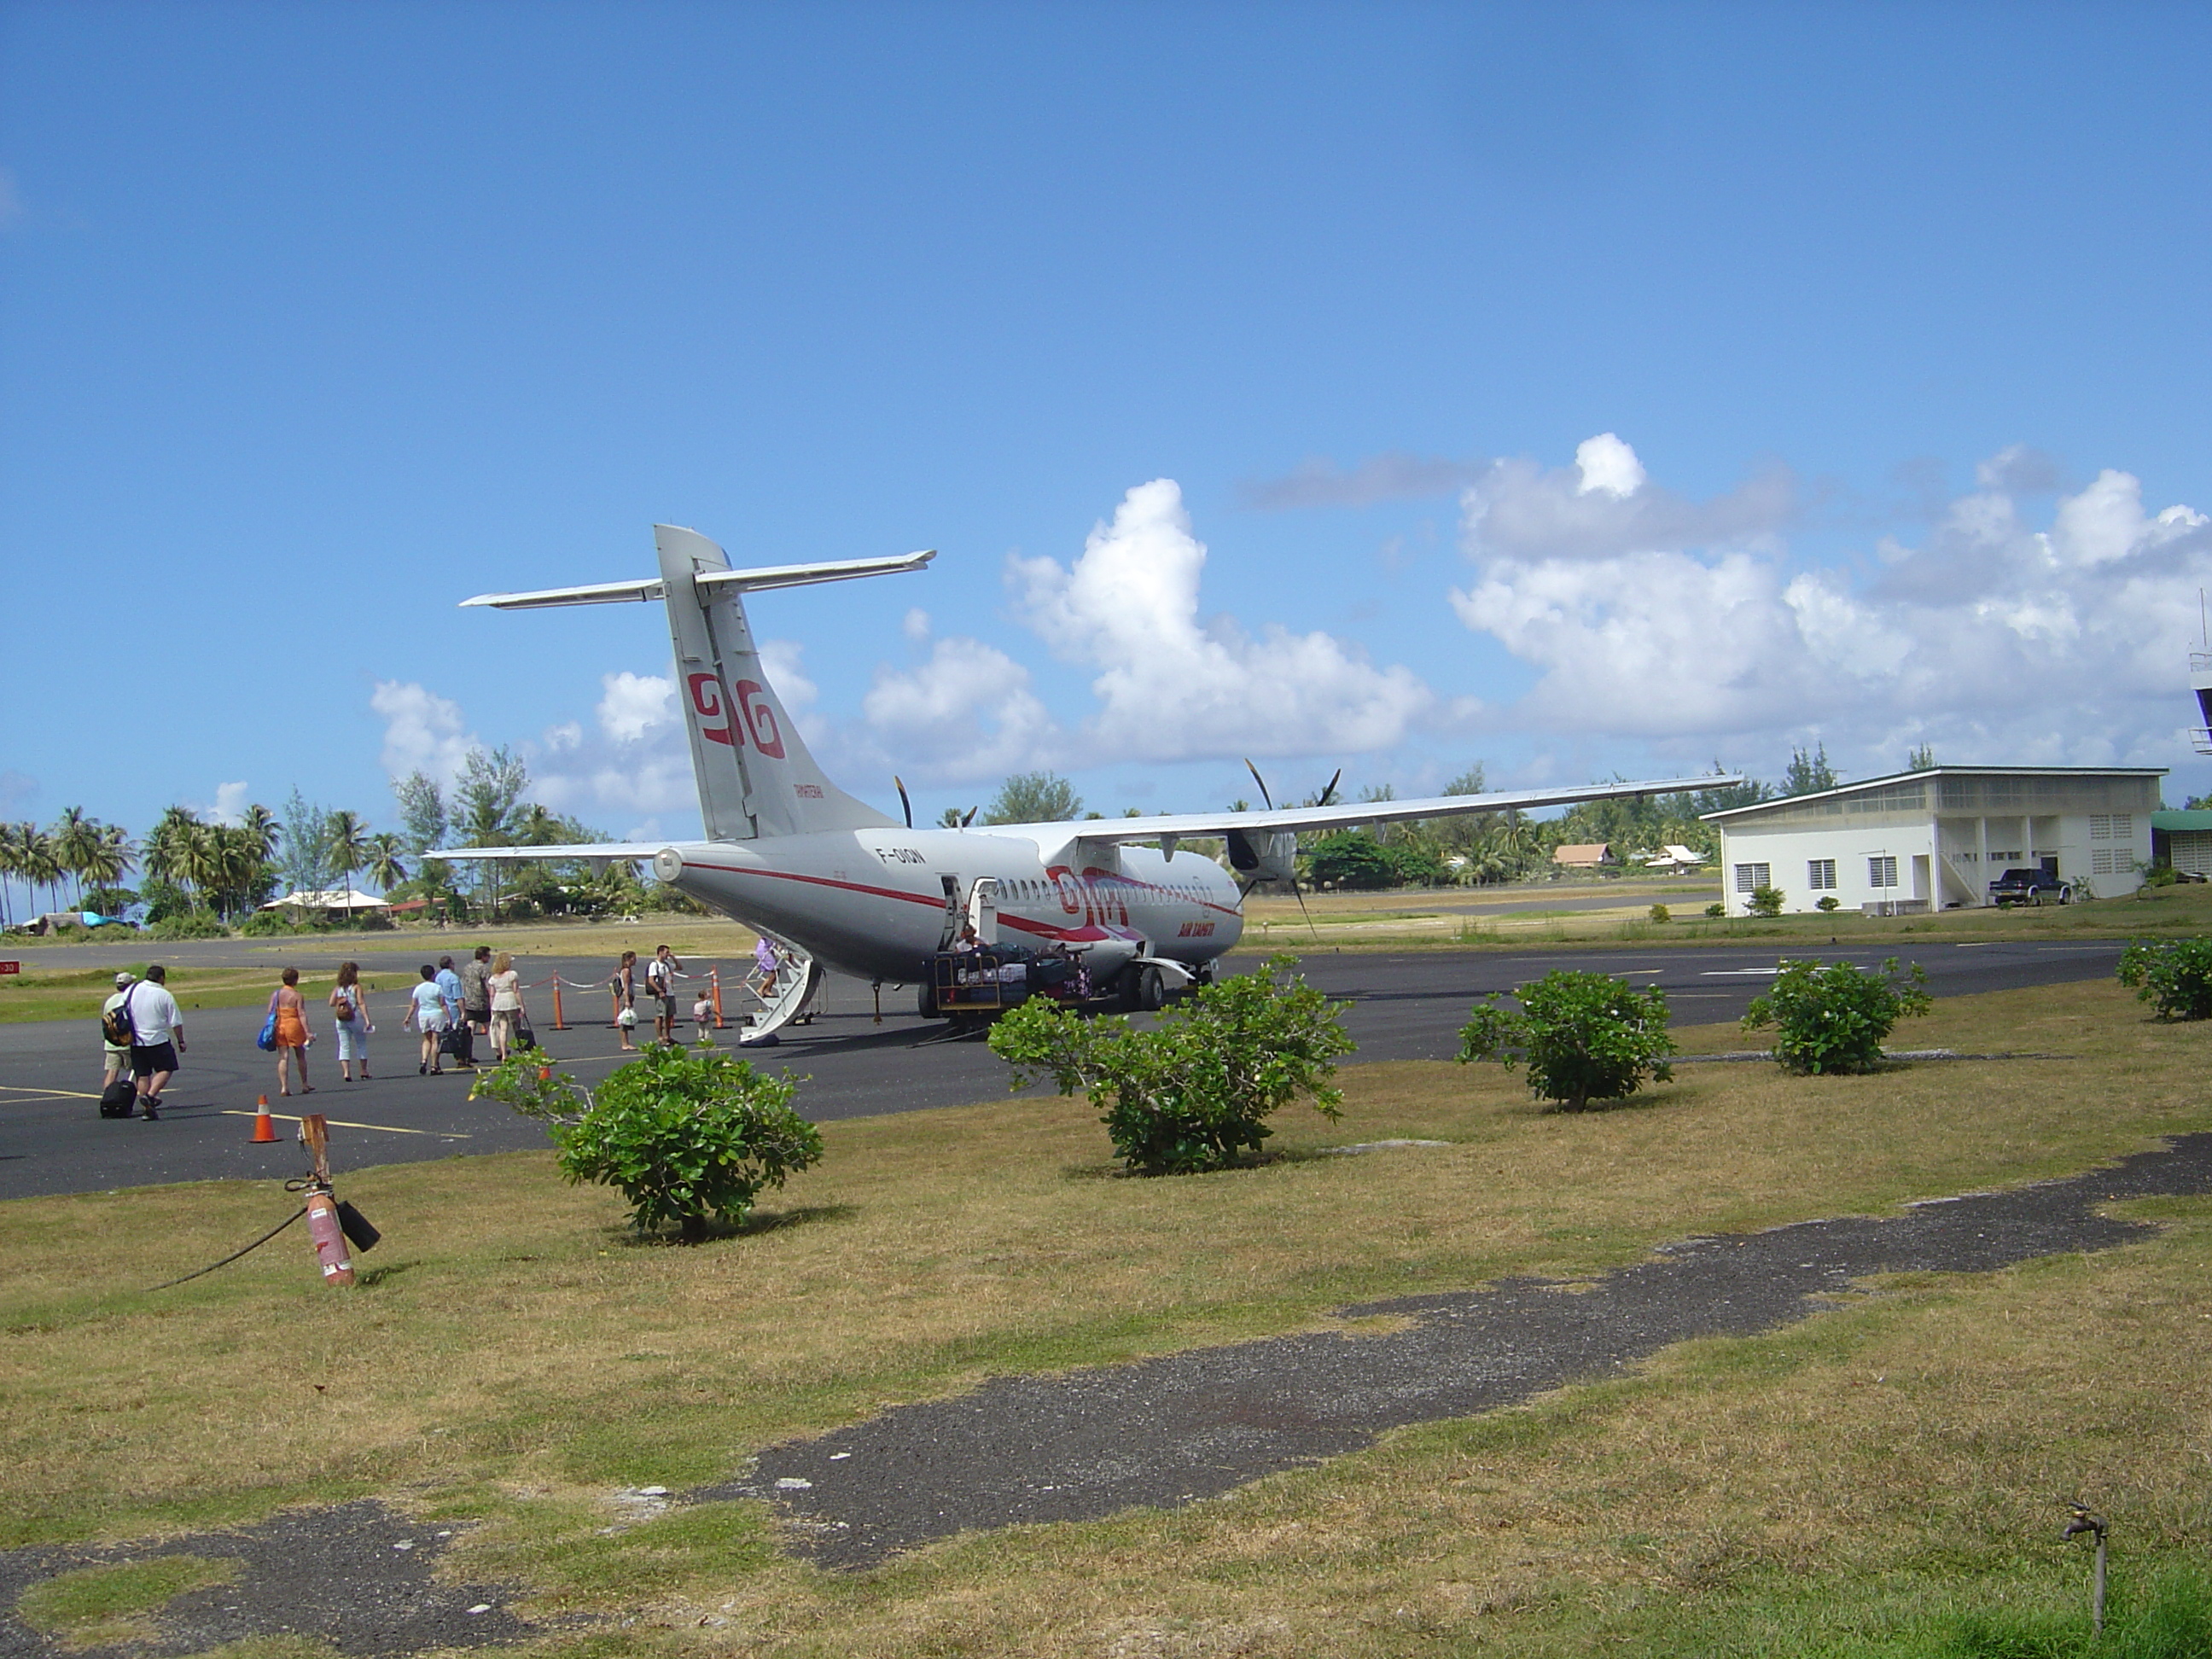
355,1575
1164,1432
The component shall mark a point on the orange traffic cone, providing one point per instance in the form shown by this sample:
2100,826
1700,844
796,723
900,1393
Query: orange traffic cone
264,1129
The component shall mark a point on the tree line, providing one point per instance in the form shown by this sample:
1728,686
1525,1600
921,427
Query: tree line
196,873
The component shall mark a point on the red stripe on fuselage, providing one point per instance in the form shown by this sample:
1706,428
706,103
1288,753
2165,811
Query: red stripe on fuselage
937,903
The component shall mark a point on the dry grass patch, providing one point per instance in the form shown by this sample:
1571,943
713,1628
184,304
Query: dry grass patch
516,1355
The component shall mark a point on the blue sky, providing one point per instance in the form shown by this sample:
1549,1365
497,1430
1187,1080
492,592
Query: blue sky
1881,333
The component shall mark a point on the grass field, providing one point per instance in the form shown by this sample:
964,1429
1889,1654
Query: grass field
1846,1485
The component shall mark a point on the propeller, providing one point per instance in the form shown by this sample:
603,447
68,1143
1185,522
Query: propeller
1264,797
970,818
1245,890
905,804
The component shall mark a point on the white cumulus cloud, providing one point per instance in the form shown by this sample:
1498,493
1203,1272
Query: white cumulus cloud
633,704
965,713
230,803
1171,687
1608,466
422,731
1995,640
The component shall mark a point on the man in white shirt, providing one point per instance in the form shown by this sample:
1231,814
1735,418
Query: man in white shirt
157,1039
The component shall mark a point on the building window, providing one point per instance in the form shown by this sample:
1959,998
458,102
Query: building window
2108,862
1997,855
1821,875
2124,826
2100,826
1750,878
1882,872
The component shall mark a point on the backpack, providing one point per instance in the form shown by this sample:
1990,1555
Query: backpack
115,1025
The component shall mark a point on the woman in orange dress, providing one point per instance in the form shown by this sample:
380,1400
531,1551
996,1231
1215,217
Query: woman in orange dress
292,1033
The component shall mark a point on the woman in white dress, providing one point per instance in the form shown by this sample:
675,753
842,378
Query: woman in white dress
506,1009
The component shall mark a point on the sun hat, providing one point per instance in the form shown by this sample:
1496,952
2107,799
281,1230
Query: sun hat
122,979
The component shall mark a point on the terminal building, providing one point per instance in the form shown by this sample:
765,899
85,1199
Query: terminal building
1935,840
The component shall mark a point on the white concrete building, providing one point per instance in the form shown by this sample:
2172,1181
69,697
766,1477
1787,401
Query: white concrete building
1936,839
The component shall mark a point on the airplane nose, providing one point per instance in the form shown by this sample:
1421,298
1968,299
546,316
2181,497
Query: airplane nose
668,864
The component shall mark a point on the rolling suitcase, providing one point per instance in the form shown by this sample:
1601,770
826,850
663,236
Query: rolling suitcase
120,1099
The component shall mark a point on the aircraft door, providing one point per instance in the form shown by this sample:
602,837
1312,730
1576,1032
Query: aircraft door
983,909
951,913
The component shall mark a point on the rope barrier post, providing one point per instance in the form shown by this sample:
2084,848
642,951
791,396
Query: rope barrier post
715,978
560,1023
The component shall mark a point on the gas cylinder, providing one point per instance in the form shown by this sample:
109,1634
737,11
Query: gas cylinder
324,1228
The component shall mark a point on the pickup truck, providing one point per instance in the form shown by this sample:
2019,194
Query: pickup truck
2029,887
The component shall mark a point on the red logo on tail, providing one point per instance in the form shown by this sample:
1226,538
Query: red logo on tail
707,699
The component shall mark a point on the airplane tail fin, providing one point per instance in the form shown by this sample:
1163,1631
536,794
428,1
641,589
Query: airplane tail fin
756,777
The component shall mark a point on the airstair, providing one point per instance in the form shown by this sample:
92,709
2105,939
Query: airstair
784,997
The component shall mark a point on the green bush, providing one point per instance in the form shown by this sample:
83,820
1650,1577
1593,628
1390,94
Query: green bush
1190,1093
1717,911
1830,1017
192,924
1828,904
1585,1036
2174,974
1660,912
267,924
1764,901
687,1134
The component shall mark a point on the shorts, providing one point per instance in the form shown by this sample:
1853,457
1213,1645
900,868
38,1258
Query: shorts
144,1061
431,1024
115,1059
479,1017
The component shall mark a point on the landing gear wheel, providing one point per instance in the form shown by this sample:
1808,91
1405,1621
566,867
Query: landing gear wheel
926,1000
1151,991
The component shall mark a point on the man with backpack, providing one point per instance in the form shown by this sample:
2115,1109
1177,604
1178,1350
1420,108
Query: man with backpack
118,1094
660,979
157,1038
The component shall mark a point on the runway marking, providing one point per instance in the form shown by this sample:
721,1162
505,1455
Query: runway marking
1740,973
341,1123
59,1094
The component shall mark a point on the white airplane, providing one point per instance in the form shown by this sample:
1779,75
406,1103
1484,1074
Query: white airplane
839,885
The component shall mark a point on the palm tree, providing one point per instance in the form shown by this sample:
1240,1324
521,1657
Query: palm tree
10,867
75,836
41,865
348,845
381,864
261,829
202,859
110,857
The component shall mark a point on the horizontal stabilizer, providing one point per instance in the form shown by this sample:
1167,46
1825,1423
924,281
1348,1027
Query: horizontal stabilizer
605,851
647,589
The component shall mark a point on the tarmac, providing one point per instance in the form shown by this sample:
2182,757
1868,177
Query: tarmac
1404,1005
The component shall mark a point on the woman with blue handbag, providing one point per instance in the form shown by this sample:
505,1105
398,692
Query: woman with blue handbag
288,1015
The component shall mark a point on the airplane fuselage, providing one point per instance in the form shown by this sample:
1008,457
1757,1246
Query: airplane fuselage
876,903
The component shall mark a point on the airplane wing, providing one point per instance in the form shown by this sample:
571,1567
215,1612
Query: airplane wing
1348,815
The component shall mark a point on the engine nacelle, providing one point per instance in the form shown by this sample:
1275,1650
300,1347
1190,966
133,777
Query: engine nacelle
1264,855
